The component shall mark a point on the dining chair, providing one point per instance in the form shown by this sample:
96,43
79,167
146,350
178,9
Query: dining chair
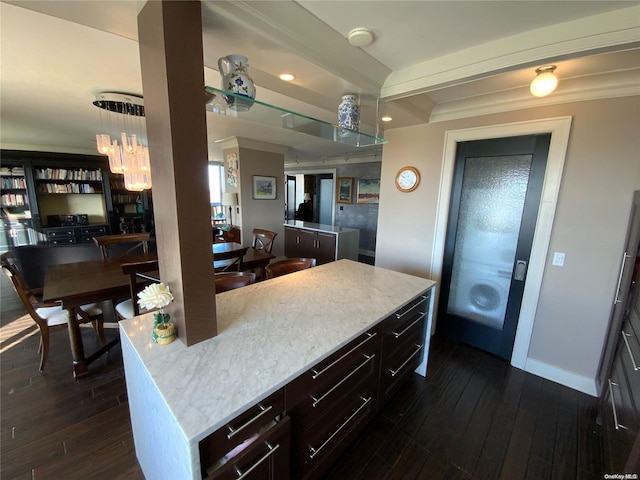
48,315
138,279
226,281
263,239
113,246
229,261
289,265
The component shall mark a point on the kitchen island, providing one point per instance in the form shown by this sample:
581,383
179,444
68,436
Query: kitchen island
270,334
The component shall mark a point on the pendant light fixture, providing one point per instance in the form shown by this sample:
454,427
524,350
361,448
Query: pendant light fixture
545,81
125,115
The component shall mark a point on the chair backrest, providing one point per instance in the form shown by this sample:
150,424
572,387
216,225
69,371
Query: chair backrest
138,280
290,265
113,246
27,296
229,280
263,239
229,261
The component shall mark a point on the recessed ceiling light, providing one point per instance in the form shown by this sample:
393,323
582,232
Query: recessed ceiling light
287,77
360,37
386,118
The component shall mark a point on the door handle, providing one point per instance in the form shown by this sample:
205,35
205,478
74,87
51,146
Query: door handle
520,270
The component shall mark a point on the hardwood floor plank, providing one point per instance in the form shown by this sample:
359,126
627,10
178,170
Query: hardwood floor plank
517,455
410,463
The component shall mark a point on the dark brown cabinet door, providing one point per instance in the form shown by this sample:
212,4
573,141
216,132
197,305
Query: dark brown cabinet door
325,248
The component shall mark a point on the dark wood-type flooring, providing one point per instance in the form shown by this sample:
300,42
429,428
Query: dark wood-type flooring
473,417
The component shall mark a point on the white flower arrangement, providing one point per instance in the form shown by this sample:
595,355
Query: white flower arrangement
156,295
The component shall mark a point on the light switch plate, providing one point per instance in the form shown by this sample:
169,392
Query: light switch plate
558,259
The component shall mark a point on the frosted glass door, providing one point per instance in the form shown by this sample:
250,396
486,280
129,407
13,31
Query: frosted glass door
491,205
495,196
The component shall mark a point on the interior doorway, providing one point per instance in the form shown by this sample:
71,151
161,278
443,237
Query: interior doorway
559,128
494,206
318,183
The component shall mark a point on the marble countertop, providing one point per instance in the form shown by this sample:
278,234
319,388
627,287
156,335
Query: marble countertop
318,226
268,334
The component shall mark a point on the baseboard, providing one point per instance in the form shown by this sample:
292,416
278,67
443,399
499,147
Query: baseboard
563,377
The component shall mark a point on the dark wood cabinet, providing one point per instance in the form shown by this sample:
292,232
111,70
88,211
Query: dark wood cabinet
266,458
620,402
331,402
300,242
404,345
74,234
247,443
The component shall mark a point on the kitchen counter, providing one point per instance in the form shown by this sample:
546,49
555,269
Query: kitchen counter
318,226
269,333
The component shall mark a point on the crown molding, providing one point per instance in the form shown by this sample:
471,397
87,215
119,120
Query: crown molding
611,85
596,34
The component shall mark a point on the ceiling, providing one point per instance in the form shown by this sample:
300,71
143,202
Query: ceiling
430,61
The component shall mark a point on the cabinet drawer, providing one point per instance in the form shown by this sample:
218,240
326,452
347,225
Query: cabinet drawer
265,458
246,425
322,384
60,233
621,405
631,364
95,230
62,241
321,445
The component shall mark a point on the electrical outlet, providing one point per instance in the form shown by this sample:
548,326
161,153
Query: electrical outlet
558,259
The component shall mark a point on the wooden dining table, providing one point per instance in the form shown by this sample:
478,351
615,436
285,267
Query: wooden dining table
79,283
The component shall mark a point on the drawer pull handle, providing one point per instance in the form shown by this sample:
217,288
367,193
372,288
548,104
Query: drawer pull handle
400,315
271,451
316,374
626,344
613,407
316,401
625,257
314,451
404,364
235,431
397,335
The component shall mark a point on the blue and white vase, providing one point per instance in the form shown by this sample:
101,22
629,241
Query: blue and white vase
233,70
348,114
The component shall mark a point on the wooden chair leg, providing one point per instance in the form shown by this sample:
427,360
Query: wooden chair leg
44,346
98,326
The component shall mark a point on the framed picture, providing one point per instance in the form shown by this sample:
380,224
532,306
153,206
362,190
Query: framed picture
264,188
231,169
344,190
368,191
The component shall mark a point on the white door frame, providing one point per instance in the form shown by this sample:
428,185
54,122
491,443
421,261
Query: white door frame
559,128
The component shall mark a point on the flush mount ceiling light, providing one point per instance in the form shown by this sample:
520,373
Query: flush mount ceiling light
360,37
545,81
386,118
287,77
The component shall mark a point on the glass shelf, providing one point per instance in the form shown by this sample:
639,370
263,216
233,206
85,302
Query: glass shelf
266,114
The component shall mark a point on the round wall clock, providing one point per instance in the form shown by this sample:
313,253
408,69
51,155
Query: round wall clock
407,179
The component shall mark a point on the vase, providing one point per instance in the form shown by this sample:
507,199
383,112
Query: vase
233,70
348,114
164,333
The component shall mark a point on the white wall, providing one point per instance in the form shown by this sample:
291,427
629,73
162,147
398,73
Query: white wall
601,171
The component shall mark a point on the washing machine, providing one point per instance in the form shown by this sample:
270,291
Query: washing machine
479,292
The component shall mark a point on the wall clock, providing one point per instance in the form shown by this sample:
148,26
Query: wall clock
407,179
